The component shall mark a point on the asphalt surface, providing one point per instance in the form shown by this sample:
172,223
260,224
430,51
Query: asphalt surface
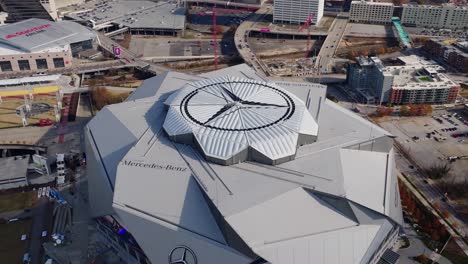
240,39
433,195
331,43
41,220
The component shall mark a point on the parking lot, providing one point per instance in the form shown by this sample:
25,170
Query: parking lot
434,140
154,47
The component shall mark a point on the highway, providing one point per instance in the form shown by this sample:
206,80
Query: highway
331,43
240,39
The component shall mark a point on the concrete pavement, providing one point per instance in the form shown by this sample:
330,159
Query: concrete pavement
331,43
42,221
415,248
240,40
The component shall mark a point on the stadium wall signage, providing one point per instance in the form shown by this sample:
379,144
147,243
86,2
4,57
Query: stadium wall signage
153,166
28,32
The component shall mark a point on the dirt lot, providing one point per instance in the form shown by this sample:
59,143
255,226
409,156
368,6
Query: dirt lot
11,246
264,47
17,201
427,151
9,118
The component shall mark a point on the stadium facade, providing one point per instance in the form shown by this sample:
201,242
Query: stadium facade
40,45
229,167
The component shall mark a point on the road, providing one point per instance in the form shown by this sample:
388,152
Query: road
432,195
42,220
240,39
129,57
78,68
331,43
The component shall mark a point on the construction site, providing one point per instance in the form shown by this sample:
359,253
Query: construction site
363,39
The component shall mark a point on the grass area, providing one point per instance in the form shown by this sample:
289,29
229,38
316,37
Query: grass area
9,118
134,84
464,92
17,201
11,246
425,79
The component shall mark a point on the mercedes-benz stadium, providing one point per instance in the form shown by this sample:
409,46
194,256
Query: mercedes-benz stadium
230,167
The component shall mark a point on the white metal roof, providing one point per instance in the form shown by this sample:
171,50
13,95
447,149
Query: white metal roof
38,34
227,115
306,210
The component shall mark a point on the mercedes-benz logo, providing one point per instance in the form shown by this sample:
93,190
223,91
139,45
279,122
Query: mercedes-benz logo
182,255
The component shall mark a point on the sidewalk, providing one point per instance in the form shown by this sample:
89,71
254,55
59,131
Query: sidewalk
446,222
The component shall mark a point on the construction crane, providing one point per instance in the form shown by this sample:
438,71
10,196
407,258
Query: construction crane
214,12
307,24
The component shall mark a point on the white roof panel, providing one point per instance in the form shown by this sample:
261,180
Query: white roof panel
256,113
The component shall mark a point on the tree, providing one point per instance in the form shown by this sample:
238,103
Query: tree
422,259
445,214
384,111
426,109
435,235
438,171
442,231
101,97
404,110
365,53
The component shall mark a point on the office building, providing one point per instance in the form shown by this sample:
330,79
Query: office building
229,167
371,12
416,81
297,11
453,52
446,16
41,45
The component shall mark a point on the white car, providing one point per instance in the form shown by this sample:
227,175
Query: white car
43,191
39,192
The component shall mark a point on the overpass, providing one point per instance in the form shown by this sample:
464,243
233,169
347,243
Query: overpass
128,57
37,148
290,32
225,3
240,40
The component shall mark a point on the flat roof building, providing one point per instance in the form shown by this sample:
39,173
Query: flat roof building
454,53
445,16
39,45
138,17
371,12
229,167
417,81
13,172
297,11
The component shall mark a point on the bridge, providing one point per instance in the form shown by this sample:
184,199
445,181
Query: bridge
37,148
273,31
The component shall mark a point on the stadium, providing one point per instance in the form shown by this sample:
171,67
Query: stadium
229,167
41,45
